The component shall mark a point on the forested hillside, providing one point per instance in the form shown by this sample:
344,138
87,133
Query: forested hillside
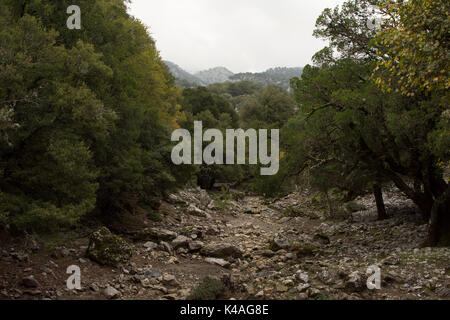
87,115
87,176
276,76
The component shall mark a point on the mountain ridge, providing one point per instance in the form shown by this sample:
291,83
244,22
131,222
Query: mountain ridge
279,76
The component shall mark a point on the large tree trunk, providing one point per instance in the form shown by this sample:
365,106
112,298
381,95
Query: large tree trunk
423,200
377,191
439,229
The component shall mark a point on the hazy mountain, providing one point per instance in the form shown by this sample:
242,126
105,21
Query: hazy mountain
277,76
214,75
183,78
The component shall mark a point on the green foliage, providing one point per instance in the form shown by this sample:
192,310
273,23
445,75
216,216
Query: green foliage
414,47
216,112
154,216
276,76
349,134
269,108
208,289
86,114
108,249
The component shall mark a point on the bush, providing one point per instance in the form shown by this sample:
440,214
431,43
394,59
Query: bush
208,289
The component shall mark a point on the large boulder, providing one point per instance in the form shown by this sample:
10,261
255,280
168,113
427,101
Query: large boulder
180,242
155,234
221,250
108,249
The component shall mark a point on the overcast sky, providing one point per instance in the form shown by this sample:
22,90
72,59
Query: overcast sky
242,35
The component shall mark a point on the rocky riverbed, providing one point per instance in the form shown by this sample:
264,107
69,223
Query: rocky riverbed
257,249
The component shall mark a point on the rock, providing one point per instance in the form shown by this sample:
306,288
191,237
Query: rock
313,293
29,282
21,257
111,293
153,273
302,276
150,245
212,231
174,199
391,261
355,282
281,288
108,249
51,264
195,245
164,246
443,292
171,296
302,287
194,211
180,242
169,280
260,294
221,262
204,199
221,250
353,206
267,253
305,249
94,287
155,234
32,244
280,242
33,292
322,239
173,260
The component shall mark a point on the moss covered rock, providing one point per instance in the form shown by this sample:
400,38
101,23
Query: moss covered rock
108,249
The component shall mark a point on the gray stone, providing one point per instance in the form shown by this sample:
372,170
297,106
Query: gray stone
150,245
355,282
111,293
155,234
180,242
196,245
30,282
221,262
221,250
280,242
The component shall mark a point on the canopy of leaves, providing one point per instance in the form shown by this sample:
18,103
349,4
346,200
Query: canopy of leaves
93,107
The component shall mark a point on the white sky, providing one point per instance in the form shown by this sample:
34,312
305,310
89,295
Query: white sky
242,35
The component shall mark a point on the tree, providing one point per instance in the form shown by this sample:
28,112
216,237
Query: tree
215,112
95,108
269,108
413,60
413,47
348,121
